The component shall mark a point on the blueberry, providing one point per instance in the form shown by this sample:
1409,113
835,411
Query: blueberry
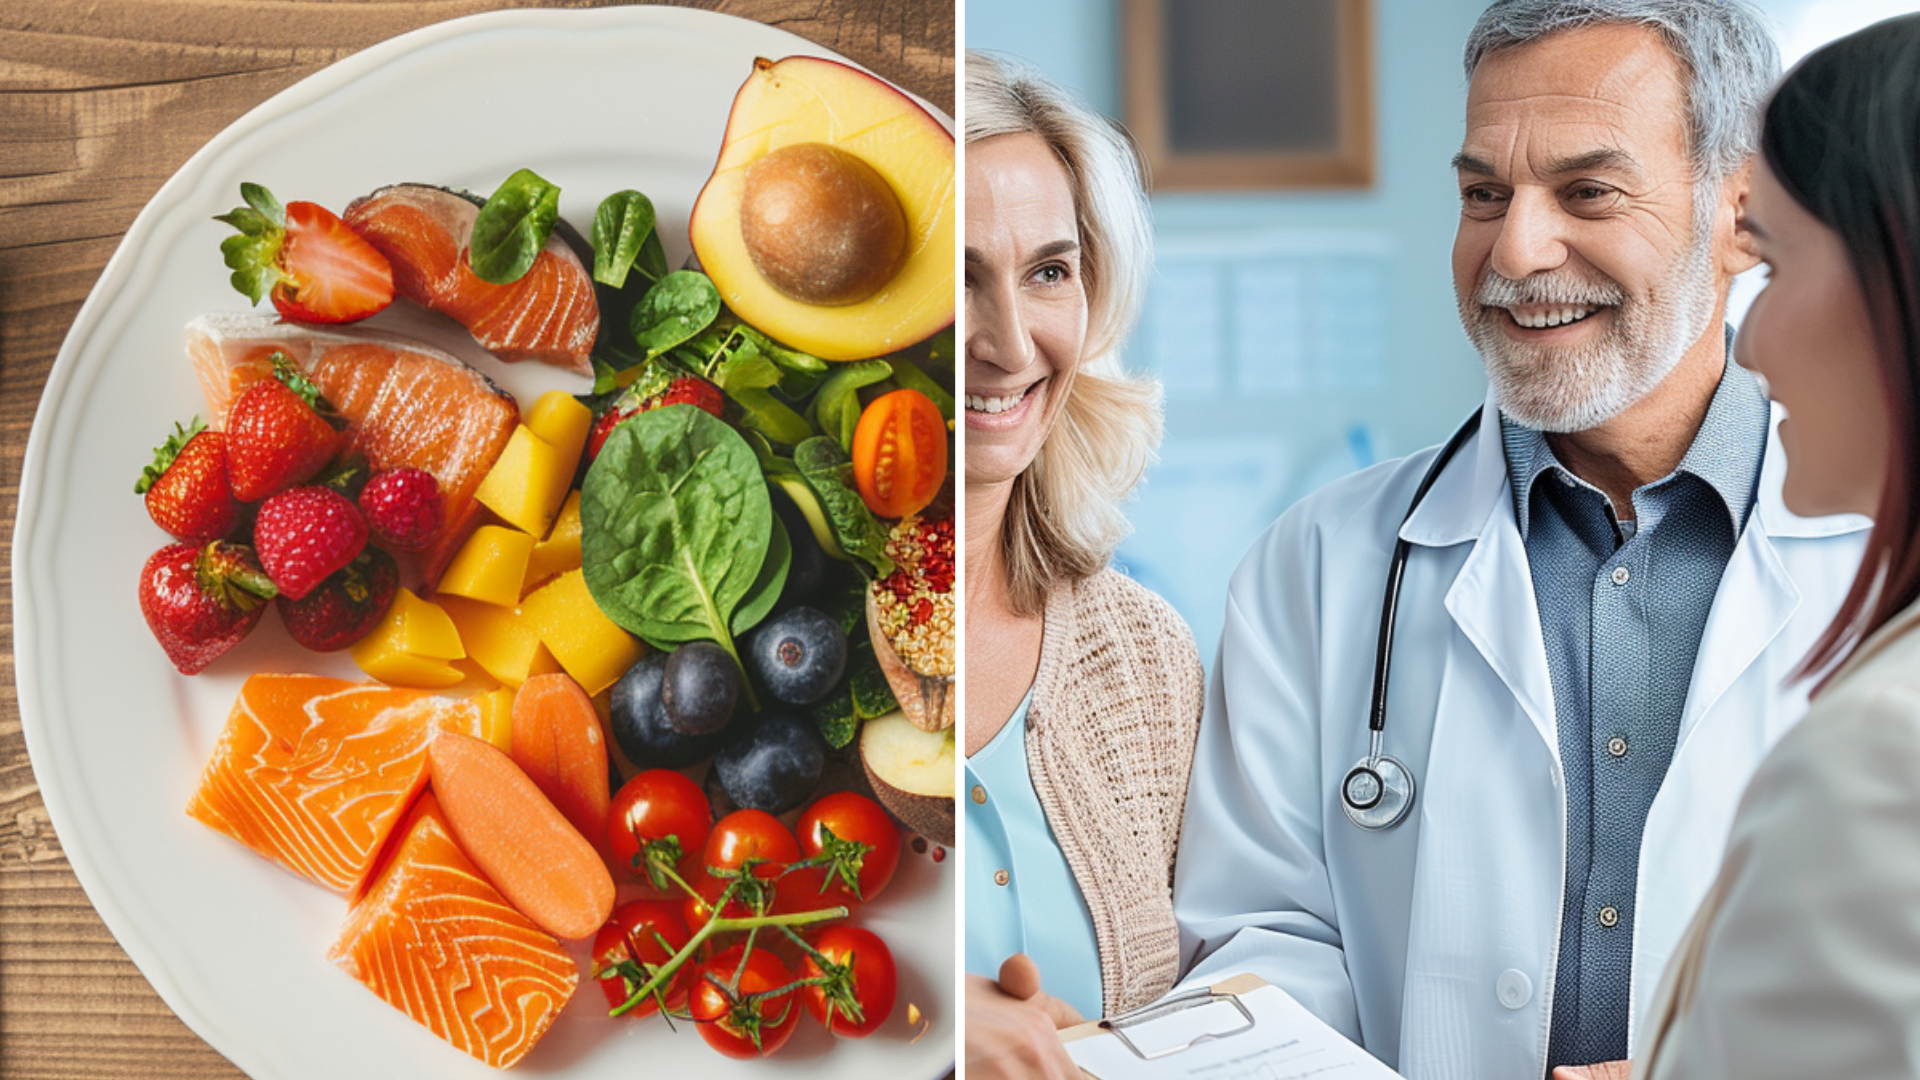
808,569
701,687
798,655
775,767
640,722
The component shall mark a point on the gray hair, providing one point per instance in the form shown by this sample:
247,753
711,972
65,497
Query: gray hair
1731,60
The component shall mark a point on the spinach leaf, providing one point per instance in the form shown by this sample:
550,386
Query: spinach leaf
773,578
512,228
675,527
684,303
836,408
770,416
837,718
872,694
652,260
830,475
909,376
791,359
623,222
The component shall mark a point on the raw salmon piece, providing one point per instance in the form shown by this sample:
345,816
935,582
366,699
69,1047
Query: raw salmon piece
314,773
408,403
549,315
437,941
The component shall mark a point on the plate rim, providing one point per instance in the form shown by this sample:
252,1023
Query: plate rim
32,692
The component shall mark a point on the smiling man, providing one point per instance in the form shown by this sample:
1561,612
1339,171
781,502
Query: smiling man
1602,593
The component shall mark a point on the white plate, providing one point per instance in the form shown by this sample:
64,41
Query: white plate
596,101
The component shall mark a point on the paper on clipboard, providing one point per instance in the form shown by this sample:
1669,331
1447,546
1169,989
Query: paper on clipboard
1212,1041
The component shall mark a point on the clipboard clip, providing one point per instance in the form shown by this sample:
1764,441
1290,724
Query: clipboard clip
1168,1006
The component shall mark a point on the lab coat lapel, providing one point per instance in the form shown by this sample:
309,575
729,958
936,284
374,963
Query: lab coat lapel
1492,598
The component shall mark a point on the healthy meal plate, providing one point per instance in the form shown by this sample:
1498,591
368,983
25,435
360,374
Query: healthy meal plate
528,641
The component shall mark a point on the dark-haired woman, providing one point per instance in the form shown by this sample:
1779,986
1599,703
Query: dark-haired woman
1804,959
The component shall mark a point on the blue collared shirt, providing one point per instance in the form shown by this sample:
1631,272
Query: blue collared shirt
1622,609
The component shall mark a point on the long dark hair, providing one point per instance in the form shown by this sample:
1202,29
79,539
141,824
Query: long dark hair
1842,134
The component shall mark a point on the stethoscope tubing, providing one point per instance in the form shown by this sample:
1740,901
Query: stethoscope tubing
1373,813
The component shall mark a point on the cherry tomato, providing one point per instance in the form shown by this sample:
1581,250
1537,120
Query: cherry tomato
862,840
744,838
869,986
642,935
899,453
659,818
734,1025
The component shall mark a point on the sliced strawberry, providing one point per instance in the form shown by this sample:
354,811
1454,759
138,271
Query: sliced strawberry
316,268
280,432
187,490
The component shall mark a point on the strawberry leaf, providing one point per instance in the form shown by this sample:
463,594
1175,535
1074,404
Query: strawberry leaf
254,254
263,201
297,381
164,454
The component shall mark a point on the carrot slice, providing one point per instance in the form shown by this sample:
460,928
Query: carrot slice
556,740
513,833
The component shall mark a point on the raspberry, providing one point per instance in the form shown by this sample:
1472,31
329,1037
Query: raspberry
403,508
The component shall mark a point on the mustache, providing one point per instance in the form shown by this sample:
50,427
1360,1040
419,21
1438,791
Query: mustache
1552,287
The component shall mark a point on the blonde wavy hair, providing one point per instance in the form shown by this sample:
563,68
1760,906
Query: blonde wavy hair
1064,519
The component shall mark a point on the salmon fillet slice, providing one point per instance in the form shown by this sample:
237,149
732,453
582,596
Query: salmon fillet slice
549,314
315,773
434,939
406,403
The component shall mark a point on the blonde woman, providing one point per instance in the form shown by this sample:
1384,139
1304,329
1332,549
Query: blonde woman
1084,690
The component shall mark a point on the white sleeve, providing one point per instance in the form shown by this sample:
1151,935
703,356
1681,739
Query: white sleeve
1811,966
1251,890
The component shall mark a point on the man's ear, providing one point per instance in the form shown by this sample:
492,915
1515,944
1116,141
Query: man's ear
1741,252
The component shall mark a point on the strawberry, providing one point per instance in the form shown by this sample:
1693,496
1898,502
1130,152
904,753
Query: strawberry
403,508
316,268
305,534
279,433
186,486
346,606
648,395
200,601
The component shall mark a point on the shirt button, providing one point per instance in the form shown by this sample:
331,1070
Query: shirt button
979,794
1001,877
1513,988
1617,746
1621,574
1609,916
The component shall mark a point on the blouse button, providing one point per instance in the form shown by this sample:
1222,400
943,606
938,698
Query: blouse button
979,794
1001,877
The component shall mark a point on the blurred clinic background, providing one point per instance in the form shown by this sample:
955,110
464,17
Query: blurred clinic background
1303,332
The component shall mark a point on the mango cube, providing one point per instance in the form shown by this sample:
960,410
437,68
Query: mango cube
528,482
412,645
474,679
560,551
562,422
591,647
490,566
499,639
496,717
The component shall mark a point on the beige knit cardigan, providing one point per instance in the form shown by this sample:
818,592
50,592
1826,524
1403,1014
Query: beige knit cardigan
1110,736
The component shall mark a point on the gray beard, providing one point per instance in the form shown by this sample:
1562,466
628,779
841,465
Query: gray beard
1558,388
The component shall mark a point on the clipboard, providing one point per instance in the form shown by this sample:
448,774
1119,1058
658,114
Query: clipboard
1262,1031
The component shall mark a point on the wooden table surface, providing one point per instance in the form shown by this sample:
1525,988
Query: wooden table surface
100,101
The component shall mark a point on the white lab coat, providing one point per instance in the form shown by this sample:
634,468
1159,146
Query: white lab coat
1434,943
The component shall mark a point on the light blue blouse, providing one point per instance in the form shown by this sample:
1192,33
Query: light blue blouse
1021,895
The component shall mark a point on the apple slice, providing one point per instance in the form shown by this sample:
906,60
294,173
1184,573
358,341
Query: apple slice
911,771
850,165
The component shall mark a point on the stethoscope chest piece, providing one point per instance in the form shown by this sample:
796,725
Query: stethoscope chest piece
1377,793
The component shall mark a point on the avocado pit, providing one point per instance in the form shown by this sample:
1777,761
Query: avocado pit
821,226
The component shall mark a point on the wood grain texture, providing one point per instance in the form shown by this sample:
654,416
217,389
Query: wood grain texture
100,101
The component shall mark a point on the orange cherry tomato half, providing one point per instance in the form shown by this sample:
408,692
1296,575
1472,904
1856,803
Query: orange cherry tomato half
899,453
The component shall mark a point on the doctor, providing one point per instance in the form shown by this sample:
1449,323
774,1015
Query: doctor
1602,600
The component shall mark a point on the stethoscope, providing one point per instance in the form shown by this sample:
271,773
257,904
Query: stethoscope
1378,792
